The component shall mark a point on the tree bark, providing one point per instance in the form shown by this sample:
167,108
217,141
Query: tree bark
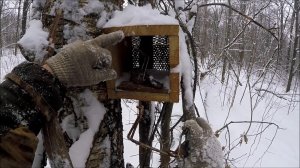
107,149
145,2
110,132
18,25
1,43
26,5
165,134
144,133
227,39
296,46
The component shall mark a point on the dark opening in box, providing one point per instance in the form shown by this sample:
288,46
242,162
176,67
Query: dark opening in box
147,64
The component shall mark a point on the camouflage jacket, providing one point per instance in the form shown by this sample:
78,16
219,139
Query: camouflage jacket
21,111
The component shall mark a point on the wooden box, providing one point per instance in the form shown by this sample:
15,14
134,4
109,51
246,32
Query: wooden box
143,62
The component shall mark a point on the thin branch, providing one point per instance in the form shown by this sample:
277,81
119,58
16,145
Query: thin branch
243,122
275,94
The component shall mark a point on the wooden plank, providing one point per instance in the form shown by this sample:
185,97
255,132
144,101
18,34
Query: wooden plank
174,51
131,86
110,84
118,54
174,86
173,96
174,82
143,96
146,30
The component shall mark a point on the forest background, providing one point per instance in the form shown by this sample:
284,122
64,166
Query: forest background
245,55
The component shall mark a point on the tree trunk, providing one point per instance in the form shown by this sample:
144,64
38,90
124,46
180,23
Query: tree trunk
144,133
165,144
107,149
204,30
290,41
227,39
18,25
1,44
145,123
296,47
145,2
188,111
26,5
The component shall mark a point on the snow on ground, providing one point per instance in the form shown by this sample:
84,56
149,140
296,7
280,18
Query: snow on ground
8,61
283,152
260,151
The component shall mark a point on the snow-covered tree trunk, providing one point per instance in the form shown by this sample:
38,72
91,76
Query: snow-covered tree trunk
67,21
107,150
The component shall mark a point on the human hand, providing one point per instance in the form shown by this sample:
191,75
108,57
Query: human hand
85,63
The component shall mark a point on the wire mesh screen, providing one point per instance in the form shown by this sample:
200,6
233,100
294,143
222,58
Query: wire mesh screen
161,53
150,52
135,52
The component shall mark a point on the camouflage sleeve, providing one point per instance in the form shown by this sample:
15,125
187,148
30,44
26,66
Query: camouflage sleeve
20,117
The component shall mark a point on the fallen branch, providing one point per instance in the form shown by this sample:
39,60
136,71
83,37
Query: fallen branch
275,94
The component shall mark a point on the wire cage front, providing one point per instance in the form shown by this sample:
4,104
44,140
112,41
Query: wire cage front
141,50
147,65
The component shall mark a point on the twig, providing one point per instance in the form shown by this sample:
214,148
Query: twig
131,132
243,122
275,94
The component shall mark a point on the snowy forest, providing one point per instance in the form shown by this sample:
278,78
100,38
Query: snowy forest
239,83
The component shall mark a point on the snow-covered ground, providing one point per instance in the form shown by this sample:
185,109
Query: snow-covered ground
260,151
8,61
272,148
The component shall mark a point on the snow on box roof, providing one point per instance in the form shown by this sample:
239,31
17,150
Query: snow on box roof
135,15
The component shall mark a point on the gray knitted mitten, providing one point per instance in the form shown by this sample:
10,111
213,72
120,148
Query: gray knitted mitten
204,150
85,63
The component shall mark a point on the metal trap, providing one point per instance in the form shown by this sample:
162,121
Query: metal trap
143,62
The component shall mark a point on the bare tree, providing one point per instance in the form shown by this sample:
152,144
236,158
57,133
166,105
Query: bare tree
295,47
18,25
1,44
26,5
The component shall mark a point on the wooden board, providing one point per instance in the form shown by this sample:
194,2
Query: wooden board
146,30
174,51
172,96
131,86
138,95
174,85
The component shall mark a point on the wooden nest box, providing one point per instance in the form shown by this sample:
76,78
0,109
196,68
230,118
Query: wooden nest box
143,62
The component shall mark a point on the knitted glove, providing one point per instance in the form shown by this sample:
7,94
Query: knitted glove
85,63
202,148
